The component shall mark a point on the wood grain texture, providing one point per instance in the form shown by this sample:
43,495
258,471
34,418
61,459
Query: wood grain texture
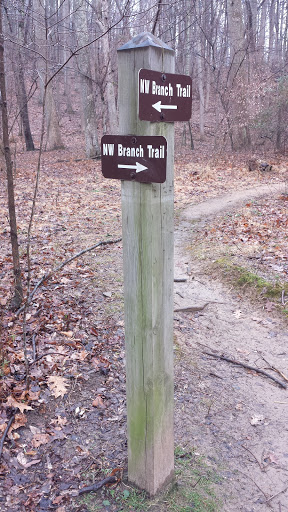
148,245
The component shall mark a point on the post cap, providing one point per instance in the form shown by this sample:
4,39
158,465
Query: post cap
145,39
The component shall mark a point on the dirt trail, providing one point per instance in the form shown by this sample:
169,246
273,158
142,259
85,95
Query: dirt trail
230,200
235,417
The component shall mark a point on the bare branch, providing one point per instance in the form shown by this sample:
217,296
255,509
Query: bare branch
57,269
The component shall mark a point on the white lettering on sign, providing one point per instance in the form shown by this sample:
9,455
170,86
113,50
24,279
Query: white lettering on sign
162,90
183,92
144,86
127,151
156,152
108,149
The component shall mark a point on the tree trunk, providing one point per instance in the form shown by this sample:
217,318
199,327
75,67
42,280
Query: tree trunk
18,31
18,292
54,140
86,84
110,96
66,54
22,99
238,76
262,28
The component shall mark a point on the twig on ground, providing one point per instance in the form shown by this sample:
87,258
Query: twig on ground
34,346
271,367
196,483
48,354
5,434
95,487
277,494
251,453
259,488
191,309
66,262
248,367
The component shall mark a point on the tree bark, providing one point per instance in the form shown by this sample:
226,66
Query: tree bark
238,76
86,84
18,31
262,28
22,99
109,92
54,140
18,291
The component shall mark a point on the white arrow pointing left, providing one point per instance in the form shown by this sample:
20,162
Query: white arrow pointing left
138,167
158,106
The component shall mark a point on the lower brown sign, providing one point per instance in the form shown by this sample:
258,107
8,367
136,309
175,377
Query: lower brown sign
134,158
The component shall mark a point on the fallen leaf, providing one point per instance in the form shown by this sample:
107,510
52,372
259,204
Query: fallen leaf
40,439
23,461
272,458
35,430
60,421
32,463
19,421
95,362
269,306
79,412
21,406
98,402
256,419
58,385
69,334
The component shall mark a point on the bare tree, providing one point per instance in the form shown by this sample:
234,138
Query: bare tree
18,292
18,24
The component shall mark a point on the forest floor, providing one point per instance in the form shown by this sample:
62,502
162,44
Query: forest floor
69,426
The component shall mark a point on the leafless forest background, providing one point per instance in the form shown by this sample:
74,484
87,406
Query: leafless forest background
235,51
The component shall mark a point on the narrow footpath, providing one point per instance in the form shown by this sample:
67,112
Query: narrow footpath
237,418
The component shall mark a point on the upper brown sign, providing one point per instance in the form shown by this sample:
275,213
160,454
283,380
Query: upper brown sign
134,158
164,97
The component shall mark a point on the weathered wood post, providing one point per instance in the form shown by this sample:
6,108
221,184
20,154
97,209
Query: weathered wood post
148,245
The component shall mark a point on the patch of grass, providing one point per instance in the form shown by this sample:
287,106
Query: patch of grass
244,277
193,489
135,501
196,482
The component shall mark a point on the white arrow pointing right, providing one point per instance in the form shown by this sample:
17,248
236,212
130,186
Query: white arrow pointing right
138,167
158,106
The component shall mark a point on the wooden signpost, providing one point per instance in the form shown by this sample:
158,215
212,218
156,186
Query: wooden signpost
133,156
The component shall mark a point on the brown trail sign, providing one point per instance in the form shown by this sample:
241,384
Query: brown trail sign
164,97
134,158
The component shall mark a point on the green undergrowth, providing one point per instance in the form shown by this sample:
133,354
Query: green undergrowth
258,286
193,489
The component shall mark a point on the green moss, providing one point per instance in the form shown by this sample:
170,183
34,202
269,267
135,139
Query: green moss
242,277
